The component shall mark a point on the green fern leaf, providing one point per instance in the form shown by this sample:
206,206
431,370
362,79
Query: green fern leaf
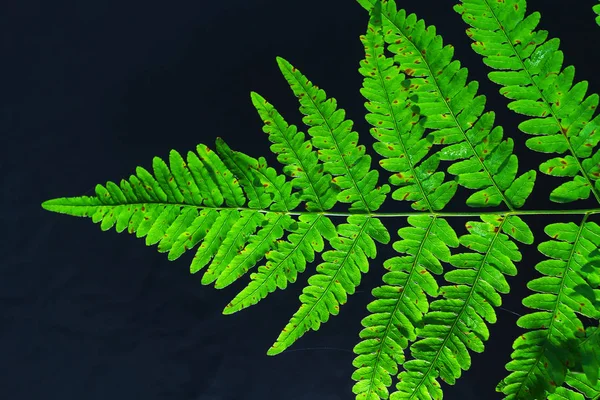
264,187
396,127
339,152
529,69
401,303
256,248
193,234
336,277
455,324
300,162
541,356
582,378
483,160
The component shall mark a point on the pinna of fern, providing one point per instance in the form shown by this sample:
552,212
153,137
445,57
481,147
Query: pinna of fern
423,110
528,66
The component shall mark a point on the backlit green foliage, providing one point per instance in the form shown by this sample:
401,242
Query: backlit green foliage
238,214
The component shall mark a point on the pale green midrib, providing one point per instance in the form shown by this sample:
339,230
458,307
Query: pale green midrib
224,274
583,172
398,302
302,165
345,215
463,308
558,303
397,131
341,155
434,78
333,278
273,270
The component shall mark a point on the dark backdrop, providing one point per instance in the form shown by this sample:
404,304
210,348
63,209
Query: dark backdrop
89,91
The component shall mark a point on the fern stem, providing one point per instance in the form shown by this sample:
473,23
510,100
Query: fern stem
546,102
588,211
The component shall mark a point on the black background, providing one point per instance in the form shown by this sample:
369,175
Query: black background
89,91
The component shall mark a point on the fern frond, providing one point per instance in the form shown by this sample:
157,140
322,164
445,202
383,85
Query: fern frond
336,277
339,150
596,9
454,112
456,324
401,303
529,69
237,213
542,355
300,162
397,129
181,207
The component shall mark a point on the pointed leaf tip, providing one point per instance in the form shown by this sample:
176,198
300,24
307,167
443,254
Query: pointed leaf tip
273,351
